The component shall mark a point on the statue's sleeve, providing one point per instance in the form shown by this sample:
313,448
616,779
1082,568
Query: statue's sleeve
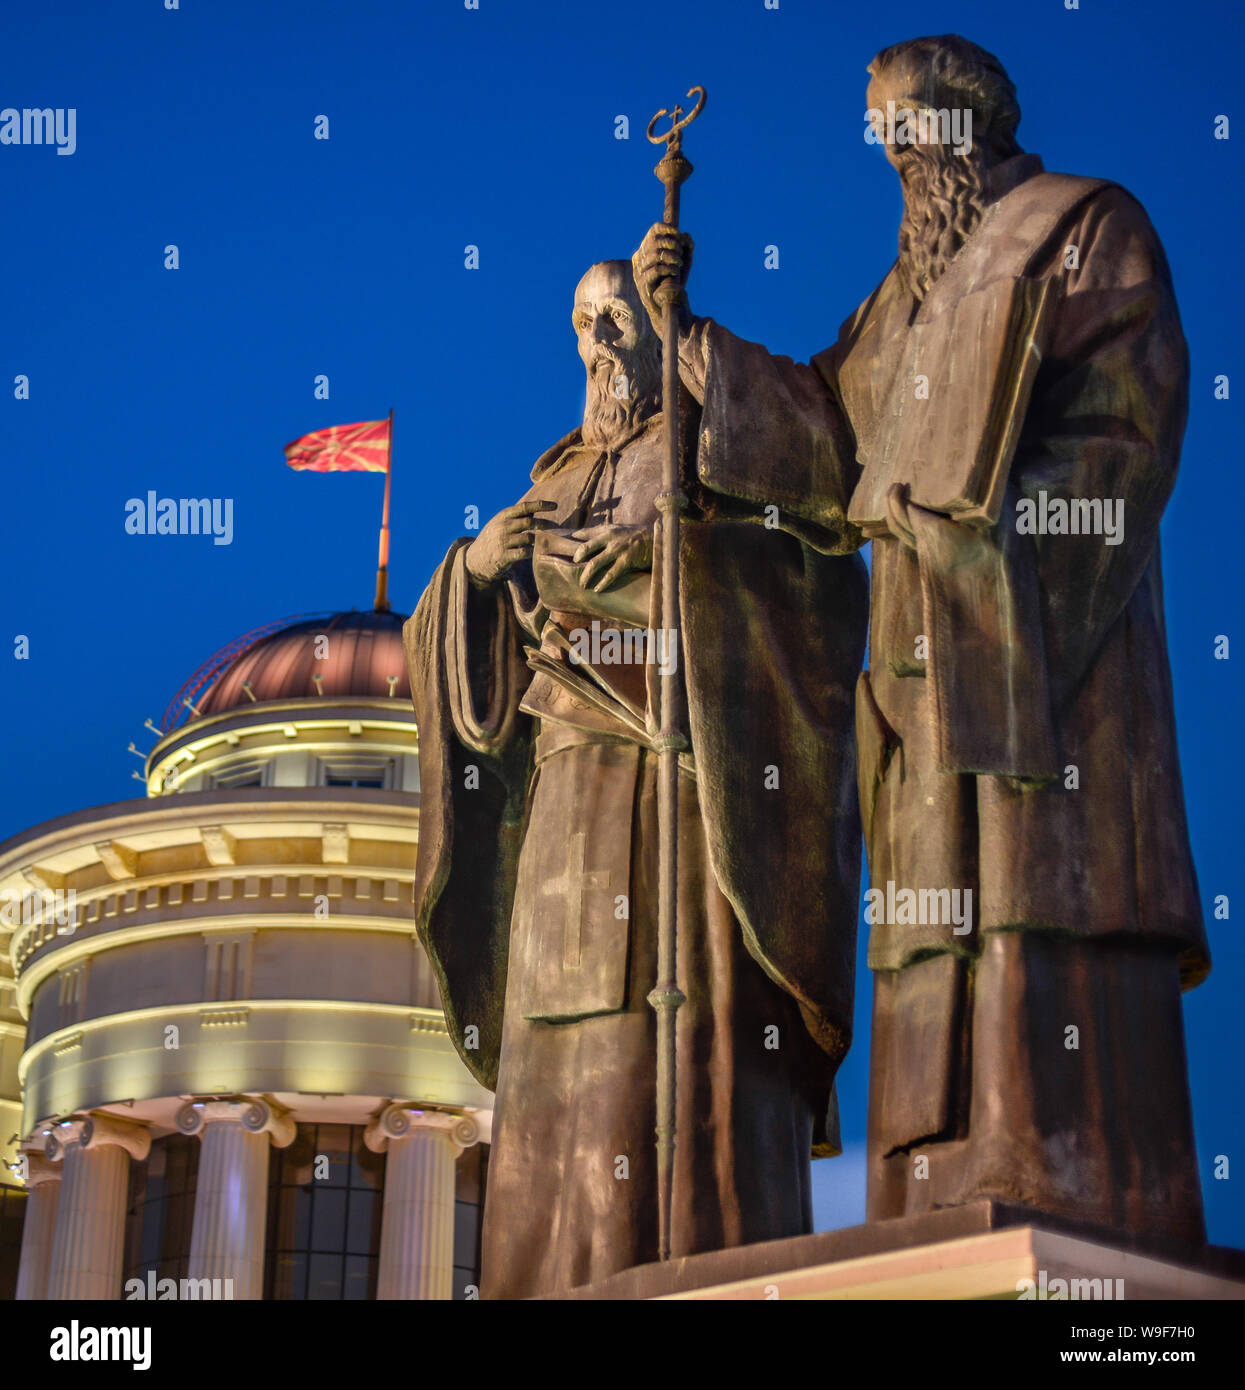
1016,618
771,717
774,438
1107,422
484,667
465,655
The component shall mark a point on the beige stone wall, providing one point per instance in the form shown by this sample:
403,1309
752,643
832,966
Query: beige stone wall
245,940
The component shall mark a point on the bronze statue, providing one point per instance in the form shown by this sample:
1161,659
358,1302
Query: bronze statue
1002,417
535,656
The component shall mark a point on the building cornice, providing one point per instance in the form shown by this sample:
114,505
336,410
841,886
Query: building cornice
315,1047
422,1021
113,819
275,715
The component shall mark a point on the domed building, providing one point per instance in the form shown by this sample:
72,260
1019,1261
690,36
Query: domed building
223,1050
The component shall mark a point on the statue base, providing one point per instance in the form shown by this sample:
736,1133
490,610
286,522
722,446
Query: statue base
988,1250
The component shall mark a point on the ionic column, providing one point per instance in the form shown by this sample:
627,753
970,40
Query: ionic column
43,1190
417,1227
231,1193
89,1244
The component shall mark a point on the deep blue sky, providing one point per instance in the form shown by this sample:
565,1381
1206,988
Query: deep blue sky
496,128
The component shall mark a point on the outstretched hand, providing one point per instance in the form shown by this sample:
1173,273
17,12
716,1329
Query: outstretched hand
506,541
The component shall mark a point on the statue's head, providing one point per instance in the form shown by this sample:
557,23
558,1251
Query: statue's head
948,74
620,352
965,111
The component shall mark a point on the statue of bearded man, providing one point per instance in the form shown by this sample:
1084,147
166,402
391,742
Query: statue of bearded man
535,668
1034,909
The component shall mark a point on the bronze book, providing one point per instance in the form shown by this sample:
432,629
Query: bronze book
956,460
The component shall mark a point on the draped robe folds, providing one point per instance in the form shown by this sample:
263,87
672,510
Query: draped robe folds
538,815
1025,750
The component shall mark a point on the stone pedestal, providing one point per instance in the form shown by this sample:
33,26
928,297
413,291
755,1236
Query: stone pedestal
89,1244
1016,1265
417,1232
231,1193
986,1250
43,1190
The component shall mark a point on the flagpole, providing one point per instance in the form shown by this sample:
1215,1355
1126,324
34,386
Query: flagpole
382,569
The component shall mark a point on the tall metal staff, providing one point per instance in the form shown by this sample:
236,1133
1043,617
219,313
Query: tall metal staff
672,169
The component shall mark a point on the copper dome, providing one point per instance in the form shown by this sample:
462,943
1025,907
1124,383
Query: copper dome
363,651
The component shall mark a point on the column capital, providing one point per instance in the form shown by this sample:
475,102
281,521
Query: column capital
253,1113
403,1119
37,1168
94,1131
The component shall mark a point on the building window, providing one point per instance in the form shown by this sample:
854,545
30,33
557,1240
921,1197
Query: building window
359,771
326,1192
470,1179
325,1206
248,772
161,1210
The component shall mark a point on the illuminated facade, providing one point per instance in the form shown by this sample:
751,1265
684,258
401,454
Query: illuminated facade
223,1052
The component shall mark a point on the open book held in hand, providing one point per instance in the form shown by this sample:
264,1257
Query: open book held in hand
952,444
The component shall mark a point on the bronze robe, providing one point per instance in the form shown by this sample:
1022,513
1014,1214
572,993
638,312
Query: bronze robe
1045,653
521,869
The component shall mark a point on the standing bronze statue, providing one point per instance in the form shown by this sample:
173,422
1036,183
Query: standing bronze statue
1003,417
535,657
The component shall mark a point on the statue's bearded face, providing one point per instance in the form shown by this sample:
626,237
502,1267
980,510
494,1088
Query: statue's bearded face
620,353
943,189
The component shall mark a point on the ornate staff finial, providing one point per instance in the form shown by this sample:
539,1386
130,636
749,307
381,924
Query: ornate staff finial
673,138
672,168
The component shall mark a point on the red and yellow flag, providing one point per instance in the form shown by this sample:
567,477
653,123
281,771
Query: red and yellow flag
358,448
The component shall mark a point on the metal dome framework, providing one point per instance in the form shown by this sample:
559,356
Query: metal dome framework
205,677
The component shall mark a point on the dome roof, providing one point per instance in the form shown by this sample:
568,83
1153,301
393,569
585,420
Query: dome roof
360,653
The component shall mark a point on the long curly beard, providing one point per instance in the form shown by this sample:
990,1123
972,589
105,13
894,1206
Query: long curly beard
944,202
623,391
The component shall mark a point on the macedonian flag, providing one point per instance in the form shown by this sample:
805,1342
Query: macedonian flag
358,448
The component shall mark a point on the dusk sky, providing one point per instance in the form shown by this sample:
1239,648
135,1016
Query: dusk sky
496,128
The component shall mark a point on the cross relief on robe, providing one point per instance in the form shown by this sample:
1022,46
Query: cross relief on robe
570,888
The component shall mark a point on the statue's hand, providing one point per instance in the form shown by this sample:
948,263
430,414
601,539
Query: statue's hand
610,552
506,541
664,254
897,522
